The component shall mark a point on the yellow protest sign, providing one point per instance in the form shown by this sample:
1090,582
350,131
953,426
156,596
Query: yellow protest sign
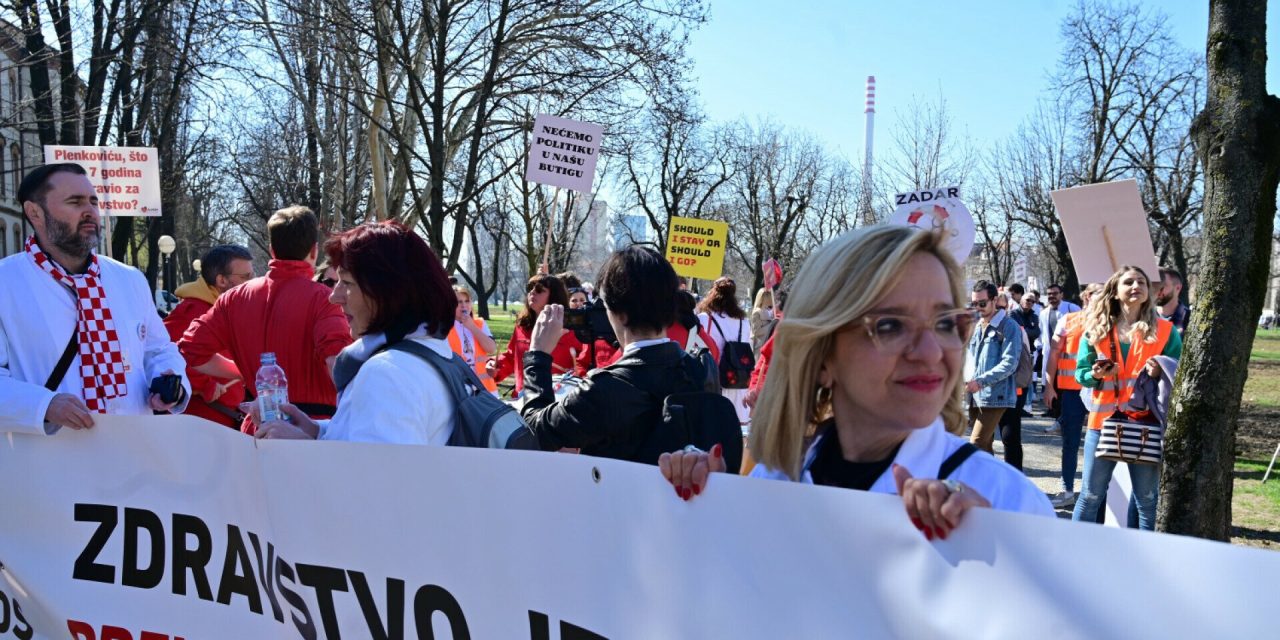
696,247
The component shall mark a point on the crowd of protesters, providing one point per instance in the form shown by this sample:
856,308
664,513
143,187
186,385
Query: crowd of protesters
865,372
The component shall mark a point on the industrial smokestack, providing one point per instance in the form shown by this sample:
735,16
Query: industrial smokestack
867,216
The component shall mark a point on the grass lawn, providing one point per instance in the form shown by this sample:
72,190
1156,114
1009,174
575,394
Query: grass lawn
1255,507
1266,346
502,323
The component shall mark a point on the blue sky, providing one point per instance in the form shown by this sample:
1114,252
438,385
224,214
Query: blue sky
804,63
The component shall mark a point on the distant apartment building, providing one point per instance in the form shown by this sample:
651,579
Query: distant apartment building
629,229
594,242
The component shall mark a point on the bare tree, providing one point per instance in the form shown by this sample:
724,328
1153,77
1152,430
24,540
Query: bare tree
1036,160
925,152
1238,139
995,232
775,180
673,165
1163,156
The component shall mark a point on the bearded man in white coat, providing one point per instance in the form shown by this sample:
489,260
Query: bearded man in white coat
63,303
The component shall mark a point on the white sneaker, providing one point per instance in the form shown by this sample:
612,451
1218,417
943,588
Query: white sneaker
1054,430
1063,499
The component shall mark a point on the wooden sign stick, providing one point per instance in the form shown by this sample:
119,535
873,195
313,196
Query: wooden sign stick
551,220
1111,252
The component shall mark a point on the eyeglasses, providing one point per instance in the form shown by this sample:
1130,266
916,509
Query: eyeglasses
979,304
894,333
328,282
534,288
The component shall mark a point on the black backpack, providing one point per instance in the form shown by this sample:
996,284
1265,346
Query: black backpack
480,419
736,359
698,350
699,418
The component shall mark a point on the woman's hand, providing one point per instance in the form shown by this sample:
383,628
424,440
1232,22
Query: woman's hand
298,420
689,470
749,400
1153,368
1049,394
1102,368
549,328
280,430
935,506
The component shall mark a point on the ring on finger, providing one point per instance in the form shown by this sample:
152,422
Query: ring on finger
953,486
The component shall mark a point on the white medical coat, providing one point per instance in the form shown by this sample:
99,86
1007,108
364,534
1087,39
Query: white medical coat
37,317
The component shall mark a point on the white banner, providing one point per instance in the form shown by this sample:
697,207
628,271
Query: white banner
563,152
127,179
171,527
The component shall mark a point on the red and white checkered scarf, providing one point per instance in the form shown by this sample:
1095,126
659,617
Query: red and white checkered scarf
101,361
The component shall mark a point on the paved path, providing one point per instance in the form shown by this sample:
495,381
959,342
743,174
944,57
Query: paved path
1042,455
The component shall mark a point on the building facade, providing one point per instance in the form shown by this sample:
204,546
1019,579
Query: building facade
20,147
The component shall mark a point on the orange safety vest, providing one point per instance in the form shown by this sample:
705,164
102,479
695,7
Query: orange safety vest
1105,396
455,343
1066,374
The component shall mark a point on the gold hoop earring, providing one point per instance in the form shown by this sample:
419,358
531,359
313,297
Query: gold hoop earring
823,396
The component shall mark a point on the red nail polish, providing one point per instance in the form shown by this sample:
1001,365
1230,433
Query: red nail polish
697,490
942,534
717,450
685,493
678,494
919,525
928,535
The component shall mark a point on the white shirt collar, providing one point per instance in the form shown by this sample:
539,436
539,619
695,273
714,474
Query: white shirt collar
640,344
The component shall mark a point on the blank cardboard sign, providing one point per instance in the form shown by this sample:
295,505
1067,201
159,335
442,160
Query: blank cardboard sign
1106,227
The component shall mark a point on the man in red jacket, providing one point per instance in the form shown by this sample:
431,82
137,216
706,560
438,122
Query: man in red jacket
222,268
283,312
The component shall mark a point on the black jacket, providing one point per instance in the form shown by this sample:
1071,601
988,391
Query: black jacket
607,416
1029,322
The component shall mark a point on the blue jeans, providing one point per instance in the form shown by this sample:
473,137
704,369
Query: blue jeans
1071,422
1097,475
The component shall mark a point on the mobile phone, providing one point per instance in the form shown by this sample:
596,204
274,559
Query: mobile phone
1105,363
168,387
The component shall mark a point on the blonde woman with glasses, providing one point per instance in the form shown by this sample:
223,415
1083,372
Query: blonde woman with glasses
864,388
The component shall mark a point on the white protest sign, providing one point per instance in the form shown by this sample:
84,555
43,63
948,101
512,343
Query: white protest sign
163,526
563,152
126,179
938,210
1106,226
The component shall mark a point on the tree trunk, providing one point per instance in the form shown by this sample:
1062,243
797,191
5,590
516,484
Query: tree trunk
36,61
1238,139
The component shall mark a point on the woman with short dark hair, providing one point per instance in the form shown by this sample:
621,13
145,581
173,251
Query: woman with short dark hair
615,410
540,291
391,288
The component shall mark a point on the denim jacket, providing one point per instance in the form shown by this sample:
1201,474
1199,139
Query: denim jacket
993,355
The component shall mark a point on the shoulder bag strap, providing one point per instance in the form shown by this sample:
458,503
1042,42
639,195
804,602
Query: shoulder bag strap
956,459
712,318
60,370
448,369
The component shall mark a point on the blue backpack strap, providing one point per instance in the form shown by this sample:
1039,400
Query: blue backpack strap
956,459
454,379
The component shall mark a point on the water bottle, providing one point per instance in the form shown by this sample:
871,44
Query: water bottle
273,388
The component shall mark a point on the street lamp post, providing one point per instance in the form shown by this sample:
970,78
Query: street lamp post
166,245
